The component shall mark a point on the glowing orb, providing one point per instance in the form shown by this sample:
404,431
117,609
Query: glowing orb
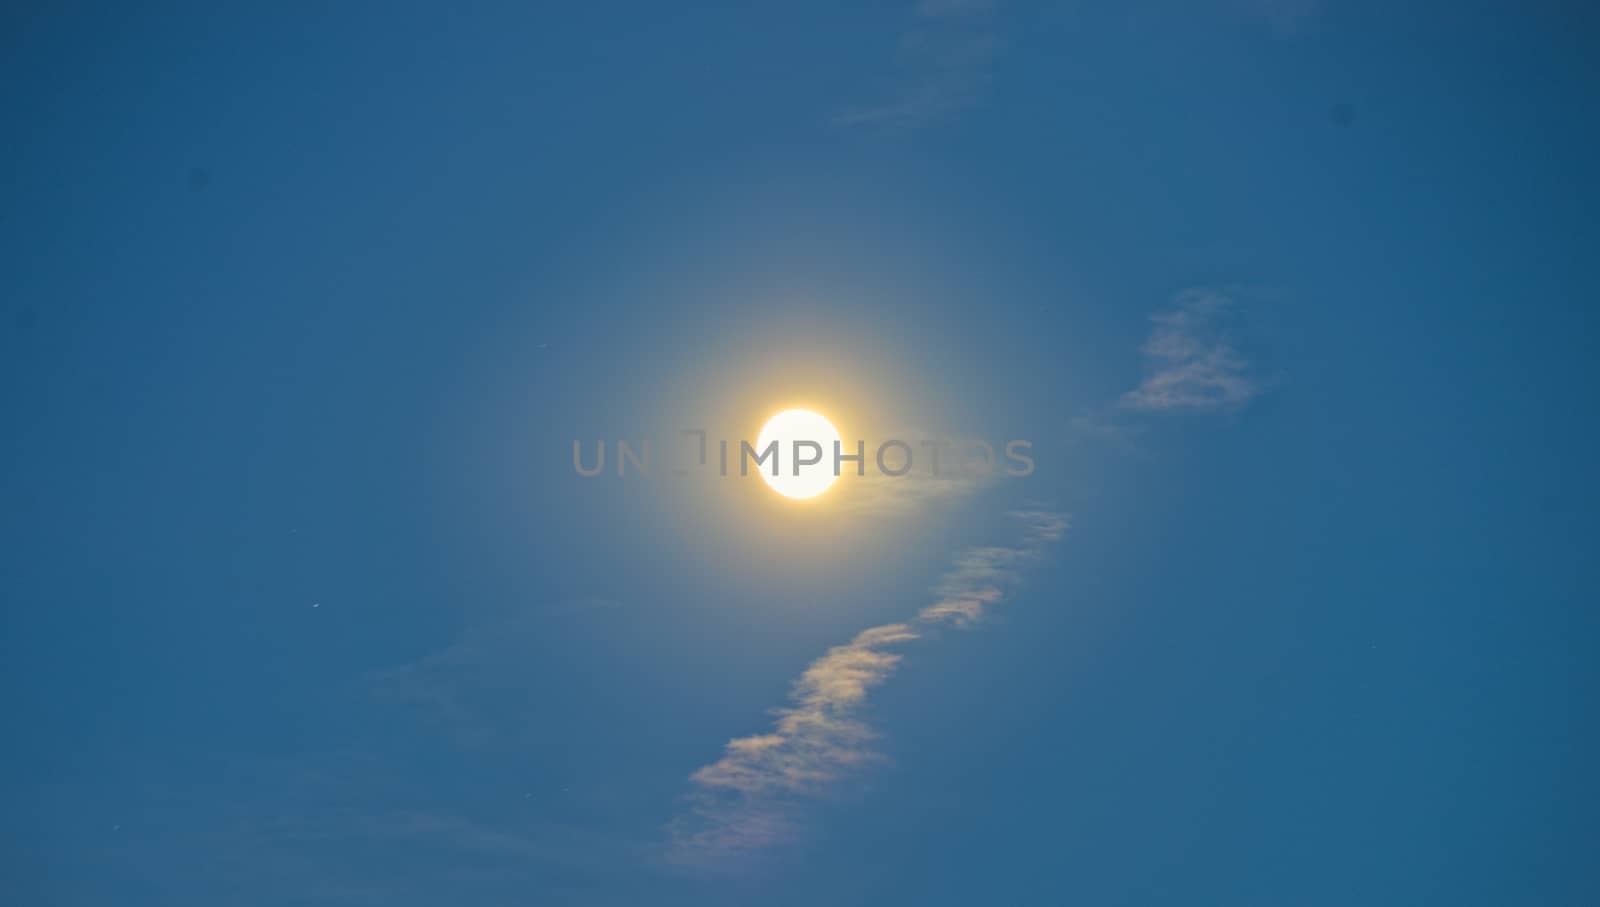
798,477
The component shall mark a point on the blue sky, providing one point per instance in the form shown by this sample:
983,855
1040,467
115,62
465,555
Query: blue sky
305,305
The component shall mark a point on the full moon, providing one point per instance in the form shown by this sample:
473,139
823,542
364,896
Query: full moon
790,426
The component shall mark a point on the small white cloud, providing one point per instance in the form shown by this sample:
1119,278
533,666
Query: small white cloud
1190,363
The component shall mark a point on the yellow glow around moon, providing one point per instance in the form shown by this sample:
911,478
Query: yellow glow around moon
790,426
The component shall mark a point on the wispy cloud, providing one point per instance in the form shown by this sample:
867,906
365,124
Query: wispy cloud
964,466
1190,361
876,494
342,826
1285,17
750,799
453,688
938,8
1111,429
944,65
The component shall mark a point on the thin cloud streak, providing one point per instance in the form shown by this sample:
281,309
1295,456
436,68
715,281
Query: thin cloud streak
961,473
945,63
1190,363
879,495
1285,17
751,798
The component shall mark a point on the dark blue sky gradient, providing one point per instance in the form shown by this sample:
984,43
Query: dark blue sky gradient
303,306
